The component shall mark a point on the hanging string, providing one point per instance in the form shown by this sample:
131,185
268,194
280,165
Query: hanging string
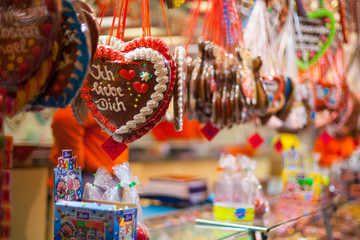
167,25
238,24
143,18
122,20
206,18
194,16
227,26
102,12
113,22
148,26
210,21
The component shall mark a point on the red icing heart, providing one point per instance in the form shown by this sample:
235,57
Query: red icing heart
127,74
140,88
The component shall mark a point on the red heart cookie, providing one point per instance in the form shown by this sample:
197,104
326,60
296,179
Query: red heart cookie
27,30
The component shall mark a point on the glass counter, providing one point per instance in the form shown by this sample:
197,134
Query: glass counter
195,232
289,217
286,220
180,225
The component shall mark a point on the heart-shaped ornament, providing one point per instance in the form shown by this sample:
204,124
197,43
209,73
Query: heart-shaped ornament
27,29
274,87
69,73
314,35
127,91
178,107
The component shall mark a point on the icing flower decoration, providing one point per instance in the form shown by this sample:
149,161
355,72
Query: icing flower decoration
145,76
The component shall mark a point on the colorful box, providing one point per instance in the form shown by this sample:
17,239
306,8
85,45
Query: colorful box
303,185
67,184
95,220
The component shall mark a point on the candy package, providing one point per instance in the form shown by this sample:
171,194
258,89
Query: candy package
252,196
103,181
131,195
238,195
67,178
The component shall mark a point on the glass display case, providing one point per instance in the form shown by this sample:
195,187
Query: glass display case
286,220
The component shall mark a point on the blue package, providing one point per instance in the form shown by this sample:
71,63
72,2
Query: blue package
67,184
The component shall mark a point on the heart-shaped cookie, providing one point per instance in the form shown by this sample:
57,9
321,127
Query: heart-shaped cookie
274,87
27,30
72,67
125,91
180,60
23,93
317,31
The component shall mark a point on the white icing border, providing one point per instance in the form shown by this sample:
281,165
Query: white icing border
162,79
114,42
180,58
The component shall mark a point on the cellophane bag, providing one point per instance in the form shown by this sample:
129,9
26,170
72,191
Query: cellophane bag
103,181
251,187
130,194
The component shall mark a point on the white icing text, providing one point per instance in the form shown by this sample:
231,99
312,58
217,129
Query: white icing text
107,104
104,75
14,48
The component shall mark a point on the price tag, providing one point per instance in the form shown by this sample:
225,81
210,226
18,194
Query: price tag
209,131
326,137
113,148
255,140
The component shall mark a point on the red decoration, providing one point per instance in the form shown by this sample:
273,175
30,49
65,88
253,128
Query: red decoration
140,88
278,146
23,68
127,74
255,140
209,131
113,148
326,137
47,28
141,234
36,51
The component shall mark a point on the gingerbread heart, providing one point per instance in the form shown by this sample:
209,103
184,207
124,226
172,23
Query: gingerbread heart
274,87
27,30
70,72
120,106
178,107
313,36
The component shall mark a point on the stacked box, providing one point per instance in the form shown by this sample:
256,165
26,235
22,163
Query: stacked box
67,178
95,220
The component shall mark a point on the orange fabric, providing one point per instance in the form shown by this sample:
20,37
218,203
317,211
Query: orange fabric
335,150
165,130
85,141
